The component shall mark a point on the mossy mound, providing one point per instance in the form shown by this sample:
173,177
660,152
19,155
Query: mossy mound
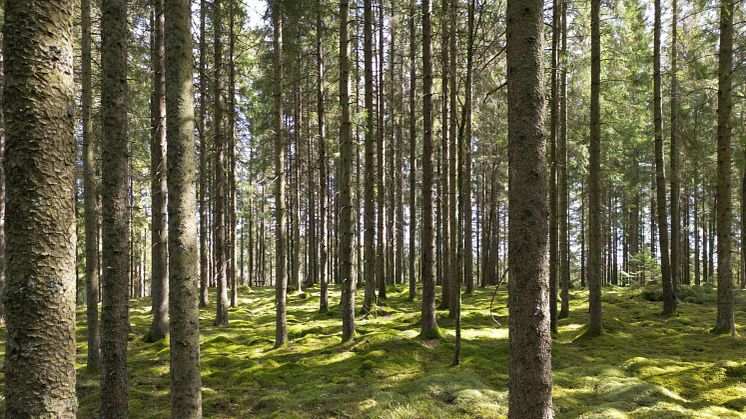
643,366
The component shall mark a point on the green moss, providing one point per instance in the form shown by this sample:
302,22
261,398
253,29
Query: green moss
643,366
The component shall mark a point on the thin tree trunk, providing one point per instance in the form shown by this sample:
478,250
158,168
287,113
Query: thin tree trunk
281,279
412,149
725,317
232,153
564,242
159,188
595,278
429,326
320,110
669,297
221,253
204,264
90,191
370,176
675,193
380,155
345,175
115,307
553,187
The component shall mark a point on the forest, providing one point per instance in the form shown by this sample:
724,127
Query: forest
373,208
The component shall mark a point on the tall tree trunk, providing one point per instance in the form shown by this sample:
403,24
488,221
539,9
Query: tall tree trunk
553,192
320,114
675,193
115,308
380,138
429,325
370,176
530,383
232,153
281,278
564,242
345,175
445,276
90,192
466,184
204,264
40,162
725,317
412,149
184,274
158,186
220,257
454,277
669,298
595,278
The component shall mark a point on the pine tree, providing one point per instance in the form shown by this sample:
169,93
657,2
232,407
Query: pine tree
40,166
159,231
530,365
184,274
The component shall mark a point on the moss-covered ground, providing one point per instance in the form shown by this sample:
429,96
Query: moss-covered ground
643,366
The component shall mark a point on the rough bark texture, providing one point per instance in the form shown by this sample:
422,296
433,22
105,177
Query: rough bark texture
429,326
725,317
323,280
454,276
412,149
232,153
669,300
345,180
369,268
553,193
530,365
159,230
595,327
281,278
184,274
204,264
221,263
90,191
564,243
466,182
115,302
39,296
380,136
675,193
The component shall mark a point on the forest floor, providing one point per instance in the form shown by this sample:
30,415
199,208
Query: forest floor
643,366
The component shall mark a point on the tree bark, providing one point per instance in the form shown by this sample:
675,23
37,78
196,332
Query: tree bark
564,242
204,265
675,193
412,149
281,279
40,161
429,325
90,193
669,298
553,186
345,176
595,278
725,317
320,112
114,311
221,317
530,365
158,186
184,272
370,175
